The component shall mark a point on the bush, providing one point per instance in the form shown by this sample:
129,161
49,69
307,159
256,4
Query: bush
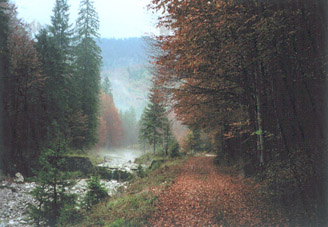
161,151
104,173
96,192
141,172
174,149
117,174
69,215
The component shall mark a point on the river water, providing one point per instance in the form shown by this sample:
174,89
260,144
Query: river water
15,197
120,156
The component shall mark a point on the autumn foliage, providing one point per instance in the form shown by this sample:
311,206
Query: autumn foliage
41,87
110,127
21,95
252,75
203,195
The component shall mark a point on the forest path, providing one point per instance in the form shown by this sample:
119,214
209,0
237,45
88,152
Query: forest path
204,195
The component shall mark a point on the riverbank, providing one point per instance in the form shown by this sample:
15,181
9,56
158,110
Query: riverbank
191,191
137,203
15,197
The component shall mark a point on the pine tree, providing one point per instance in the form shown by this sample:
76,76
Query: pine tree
88,62
96,192
130,127
107,87
54,48
151,128
60,27
168,138
54,202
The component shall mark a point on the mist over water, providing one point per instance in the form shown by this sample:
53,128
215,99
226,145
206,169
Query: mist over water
120,156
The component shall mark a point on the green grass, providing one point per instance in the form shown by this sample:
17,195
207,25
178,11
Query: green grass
94,158
136,205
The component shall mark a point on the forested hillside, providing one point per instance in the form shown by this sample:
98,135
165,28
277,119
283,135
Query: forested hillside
126,64
122,53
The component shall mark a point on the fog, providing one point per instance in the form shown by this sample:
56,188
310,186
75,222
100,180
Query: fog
120,156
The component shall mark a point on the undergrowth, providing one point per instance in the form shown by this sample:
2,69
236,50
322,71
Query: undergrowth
136,204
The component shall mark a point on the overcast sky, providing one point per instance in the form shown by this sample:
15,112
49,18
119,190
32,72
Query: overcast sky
118,18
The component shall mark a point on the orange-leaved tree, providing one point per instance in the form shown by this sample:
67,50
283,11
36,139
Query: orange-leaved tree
110,126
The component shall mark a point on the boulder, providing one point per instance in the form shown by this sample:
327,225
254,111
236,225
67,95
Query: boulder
19,178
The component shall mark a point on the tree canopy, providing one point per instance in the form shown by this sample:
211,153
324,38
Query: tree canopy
252,75
53,79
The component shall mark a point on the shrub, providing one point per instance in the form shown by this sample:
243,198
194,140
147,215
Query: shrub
96,192
104,173
69,215
174,149
141,172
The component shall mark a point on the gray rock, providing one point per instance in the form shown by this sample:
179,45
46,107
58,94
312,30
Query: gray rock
15,197
19,178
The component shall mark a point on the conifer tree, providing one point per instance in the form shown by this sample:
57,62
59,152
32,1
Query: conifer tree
60,27
152,121
54,202
130,126
107,87
21,83
167,134
54,48
88,62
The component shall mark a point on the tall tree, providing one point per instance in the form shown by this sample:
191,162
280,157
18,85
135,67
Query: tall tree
3,65
107,87
254,72
61,28
151,128
21,98
54,201
55,53
110,126
168,138
88,62
130,126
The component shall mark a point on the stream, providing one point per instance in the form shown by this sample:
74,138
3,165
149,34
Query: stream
15,197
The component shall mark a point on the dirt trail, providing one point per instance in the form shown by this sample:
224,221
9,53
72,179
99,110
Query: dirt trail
204,196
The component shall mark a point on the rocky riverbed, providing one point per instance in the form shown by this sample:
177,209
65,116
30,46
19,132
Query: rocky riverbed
14,200
15,197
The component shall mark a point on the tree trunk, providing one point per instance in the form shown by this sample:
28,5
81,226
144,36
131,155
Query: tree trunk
144,146
259,121
154,146
154,139
260,129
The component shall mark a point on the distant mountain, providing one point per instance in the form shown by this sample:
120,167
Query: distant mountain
125,63
118,53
